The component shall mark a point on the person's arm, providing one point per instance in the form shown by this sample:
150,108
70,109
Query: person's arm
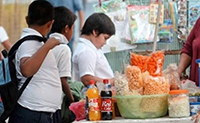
184,62
186,53
66,89
30,65
86,79
81,18
7,45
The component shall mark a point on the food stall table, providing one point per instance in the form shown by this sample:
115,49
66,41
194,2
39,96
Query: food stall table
153,120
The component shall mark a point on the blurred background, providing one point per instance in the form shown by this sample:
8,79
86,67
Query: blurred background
13,12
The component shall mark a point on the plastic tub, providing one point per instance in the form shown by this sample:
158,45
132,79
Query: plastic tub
142,106
194,107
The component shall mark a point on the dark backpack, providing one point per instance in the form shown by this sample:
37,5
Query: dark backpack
8,79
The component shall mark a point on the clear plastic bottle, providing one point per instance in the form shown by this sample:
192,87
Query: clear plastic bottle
92,102
178,103
106,98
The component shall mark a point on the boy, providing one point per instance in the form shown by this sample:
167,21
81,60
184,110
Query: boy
41,98
88,59
62,29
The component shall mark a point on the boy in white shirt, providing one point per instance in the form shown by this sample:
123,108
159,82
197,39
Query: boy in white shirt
62,29
41,98
88,59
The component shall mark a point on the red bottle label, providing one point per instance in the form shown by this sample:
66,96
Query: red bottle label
93,104
106,105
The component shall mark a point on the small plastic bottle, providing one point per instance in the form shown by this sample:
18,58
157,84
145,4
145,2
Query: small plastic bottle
106,99
92,103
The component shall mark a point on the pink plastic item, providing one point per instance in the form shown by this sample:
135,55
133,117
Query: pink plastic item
78,108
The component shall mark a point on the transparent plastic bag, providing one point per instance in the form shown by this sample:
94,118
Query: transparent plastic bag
134,76
139,61
155,63
171,74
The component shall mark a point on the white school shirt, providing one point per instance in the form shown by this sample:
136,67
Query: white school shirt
88,60
62,54
44,91
3,35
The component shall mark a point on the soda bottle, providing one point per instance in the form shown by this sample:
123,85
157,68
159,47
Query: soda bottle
106,98
92,102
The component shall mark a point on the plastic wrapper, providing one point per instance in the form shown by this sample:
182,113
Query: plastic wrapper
78,108
134,76
139,61
121,85
156,85
171,74
155,63
142,106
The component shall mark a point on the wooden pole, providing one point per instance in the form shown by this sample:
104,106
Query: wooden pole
157,25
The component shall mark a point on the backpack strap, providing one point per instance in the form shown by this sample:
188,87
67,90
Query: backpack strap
12,52
14,48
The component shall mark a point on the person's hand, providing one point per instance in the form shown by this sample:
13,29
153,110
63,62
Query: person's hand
196,117
52,42
112,81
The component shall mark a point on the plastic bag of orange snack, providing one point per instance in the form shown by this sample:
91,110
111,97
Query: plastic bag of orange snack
155,63
156,85
134,76
139,60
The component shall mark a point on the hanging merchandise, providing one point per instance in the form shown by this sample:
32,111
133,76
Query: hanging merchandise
193,13
116,10
182,20
140,29
174,14
153,13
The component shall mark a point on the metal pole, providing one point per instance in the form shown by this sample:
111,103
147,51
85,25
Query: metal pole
157,25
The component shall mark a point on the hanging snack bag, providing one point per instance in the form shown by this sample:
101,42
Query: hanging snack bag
139,61
155,63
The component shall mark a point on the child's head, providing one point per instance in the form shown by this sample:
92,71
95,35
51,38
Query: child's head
64,22
100,23
100,27
40,13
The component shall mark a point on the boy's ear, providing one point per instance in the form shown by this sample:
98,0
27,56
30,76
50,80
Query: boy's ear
66,29
50,23
94,32
27,21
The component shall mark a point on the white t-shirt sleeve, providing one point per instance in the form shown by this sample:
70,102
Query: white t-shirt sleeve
87,63
28,48
3,35
64,62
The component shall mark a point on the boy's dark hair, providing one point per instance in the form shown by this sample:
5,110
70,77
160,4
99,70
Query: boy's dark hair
99,22
63,17
40,12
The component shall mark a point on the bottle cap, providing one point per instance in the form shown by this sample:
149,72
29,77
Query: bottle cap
92,82
105,81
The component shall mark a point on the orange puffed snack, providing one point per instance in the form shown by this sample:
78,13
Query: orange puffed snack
134,76
155,63
156,85
139,60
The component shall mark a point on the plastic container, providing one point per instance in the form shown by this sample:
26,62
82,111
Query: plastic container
178,101
93,102
194,107
142,106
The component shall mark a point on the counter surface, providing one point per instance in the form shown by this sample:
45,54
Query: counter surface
155,120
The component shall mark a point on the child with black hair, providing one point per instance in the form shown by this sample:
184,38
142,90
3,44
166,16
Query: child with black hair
41,98
62,29
88,59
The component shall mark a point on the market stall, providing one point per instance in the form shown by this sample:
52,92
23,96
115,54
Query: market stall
144,92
